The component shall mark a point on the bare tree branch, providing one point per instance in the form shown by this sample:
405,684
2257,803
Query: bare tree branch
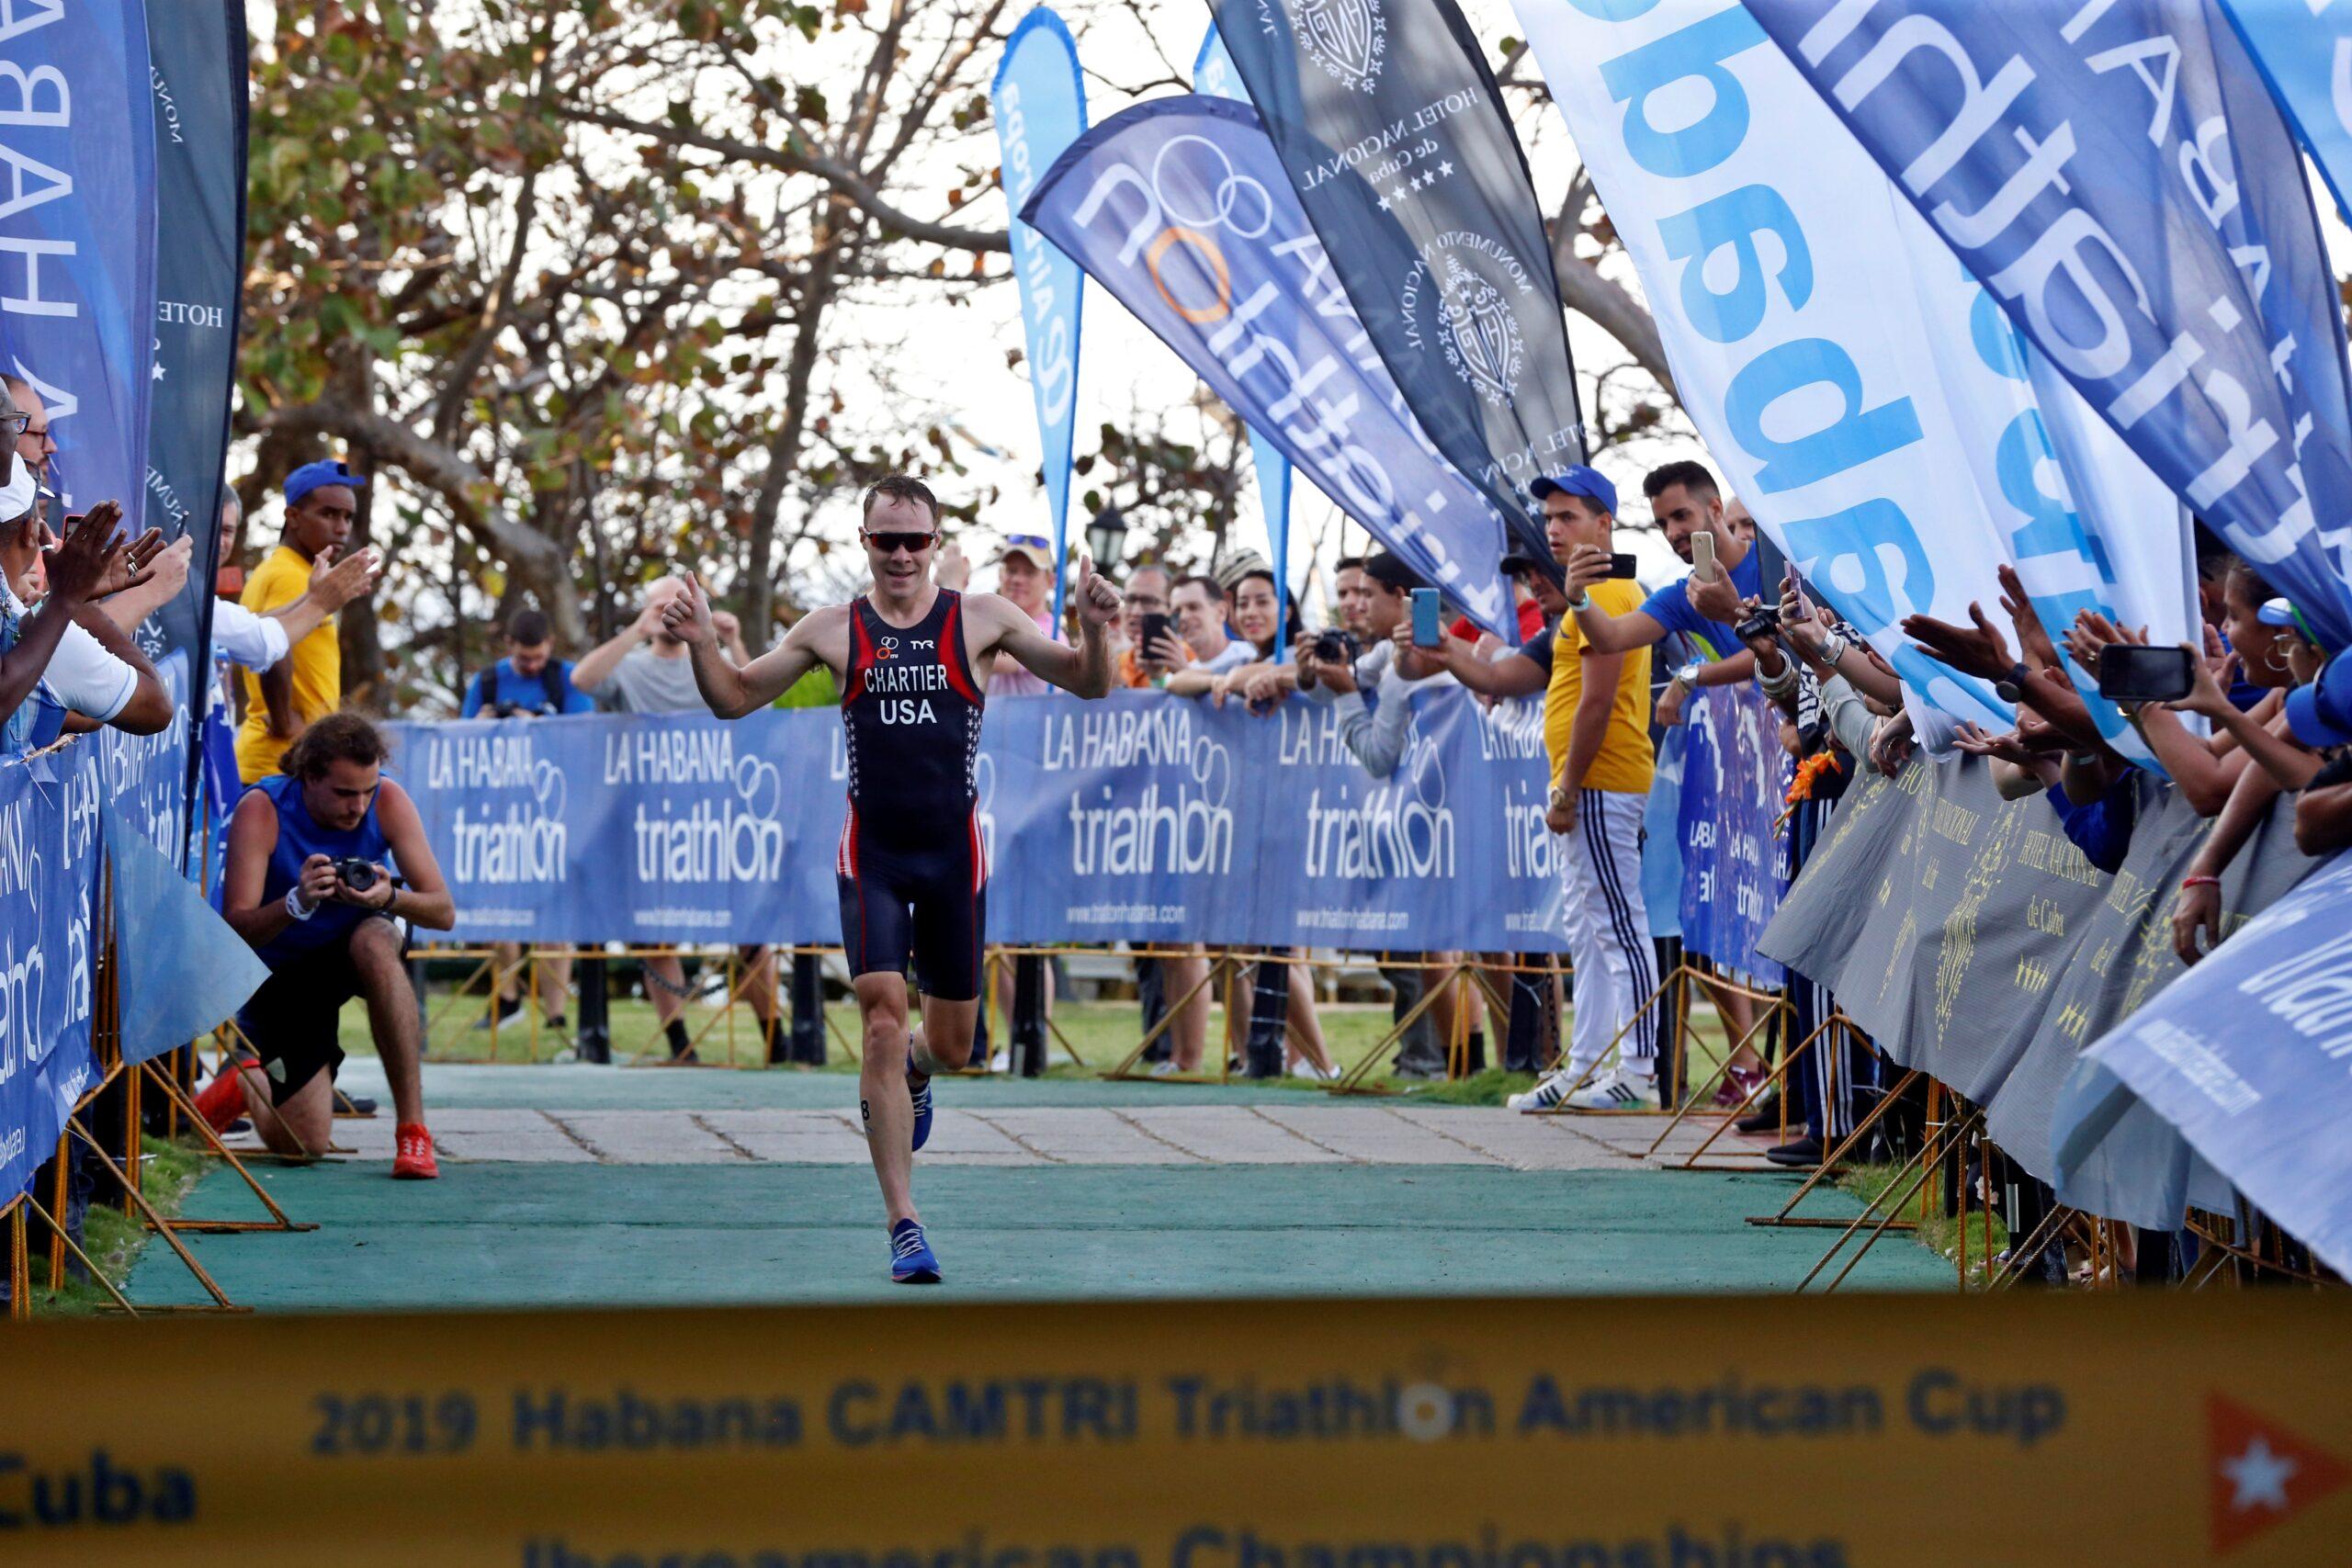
847,181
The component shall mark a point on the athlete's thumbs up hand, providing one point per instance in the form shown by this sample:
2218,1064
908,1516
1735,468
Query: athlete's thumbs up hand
688,616
1098,602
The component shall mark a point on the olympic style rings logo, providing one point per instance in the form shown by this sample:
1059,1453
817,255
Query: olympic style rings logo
1194,203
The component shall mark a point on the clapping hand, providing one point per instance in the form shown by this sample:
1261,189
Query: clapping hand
87,564
1979,650
335,583
1978,741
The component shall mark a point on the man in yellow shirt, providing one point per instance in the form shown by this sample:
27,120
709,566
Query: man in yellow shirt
322,501
1595,732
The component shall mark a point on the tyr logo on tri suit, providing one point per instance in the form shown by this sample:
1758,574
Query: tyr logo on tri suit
912,869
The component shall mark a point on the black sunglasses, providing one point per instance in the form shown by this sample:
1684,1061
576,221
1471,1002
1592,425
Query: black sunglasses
892,542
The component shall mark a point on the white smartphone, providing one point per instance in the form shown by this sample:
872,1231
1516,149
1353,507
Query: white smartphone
1703,557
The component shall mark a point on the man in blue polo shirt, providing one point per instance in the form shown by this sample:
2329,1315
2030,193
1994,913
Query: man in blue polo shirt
530,680
1686,501
529,683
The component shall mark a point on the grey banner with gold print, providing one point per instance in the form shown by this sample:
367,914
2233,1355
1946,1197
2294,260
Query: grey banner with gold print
1936,916
1969,937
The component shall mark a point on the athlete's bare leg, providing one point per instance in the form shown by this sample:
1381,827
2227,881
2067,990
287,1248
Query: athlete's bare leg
304,1126
882,1089
946,1037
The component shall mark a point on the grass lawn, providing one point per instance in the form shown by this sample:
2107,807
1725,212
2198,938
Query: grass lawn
1939,1232
1092,1039
112,1238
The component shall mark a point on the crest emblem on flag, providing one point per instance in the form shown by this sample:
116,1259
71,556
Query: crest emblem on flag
1482,341
1349,38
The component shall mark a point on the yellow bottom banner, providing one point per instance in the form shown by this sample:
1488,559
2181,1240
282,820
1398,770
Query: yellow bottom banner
1585,1432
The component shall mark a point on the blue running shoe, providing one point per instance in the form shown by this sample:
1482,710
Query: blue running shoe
921,1098
911,1261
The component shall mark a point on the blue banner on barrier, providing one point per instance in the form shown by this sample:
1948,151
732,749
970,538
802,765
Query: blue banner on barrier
146,775
50,841
182,968
2245,1054
1733,772
1137,818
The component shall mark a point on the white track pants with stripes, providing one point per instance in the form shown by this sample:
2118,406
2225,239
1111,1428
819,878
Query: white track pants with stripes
1608,930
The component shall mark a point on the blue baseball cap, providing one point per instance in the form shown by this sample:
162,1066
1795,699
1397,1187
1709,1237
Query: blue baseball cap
319,476
1578,481
2321,713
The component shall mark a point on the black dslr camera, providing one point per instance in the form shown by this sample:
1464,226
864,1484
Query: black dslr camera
1337,645
355,873
1765,622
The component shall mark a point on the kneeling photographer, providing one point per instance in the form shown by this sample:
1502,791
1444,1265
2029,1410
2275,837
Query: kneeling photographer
328,869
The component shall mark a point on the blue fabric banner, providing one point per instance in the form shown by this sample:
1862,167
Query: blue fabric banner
77,239
1393,135
51,836
2119,178
2244,1055
146,775
1040,105
1181,208
1139,817
1733,773
1214,76
2306,56
182,969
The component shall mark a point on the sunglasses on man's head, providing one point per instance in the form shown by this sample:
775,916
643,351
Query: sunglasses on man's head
1034,541
891,542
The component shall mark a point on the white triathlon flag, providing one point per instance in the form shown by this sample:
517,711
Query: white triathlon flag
1859,389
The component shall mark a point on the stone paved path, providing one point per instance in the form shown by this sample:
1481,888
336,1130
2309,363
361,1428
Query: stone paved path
1276,1129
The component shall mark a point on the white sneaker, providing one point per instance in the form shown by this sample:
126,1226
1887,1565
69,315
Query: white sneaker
1617,1091
1002,1061
1163,1069
1545,1096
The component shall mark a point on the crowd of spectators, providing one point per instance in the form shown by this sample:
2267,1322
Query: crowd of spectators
1605,667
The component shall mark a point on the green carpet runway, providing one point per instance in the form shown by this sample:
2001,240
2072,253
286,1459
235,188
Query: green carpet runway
499,1234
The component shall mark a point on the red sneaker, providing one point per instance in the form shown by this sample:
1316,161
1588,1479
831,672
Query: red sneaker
1739,1084
413,1154
222,1101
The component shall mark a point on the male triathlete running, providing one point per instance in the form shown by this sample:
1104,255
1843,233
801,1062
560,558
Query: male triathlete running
911,873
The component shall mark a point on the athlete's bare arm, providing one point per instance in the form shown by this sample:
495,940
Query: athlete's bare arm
1084,670
822,637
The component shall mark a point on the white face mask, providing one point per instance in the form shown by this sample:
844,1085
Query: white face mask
17,496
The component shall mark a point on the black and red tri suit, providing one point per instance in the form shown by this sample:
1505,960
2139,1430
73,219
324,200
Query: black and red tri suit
913,871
